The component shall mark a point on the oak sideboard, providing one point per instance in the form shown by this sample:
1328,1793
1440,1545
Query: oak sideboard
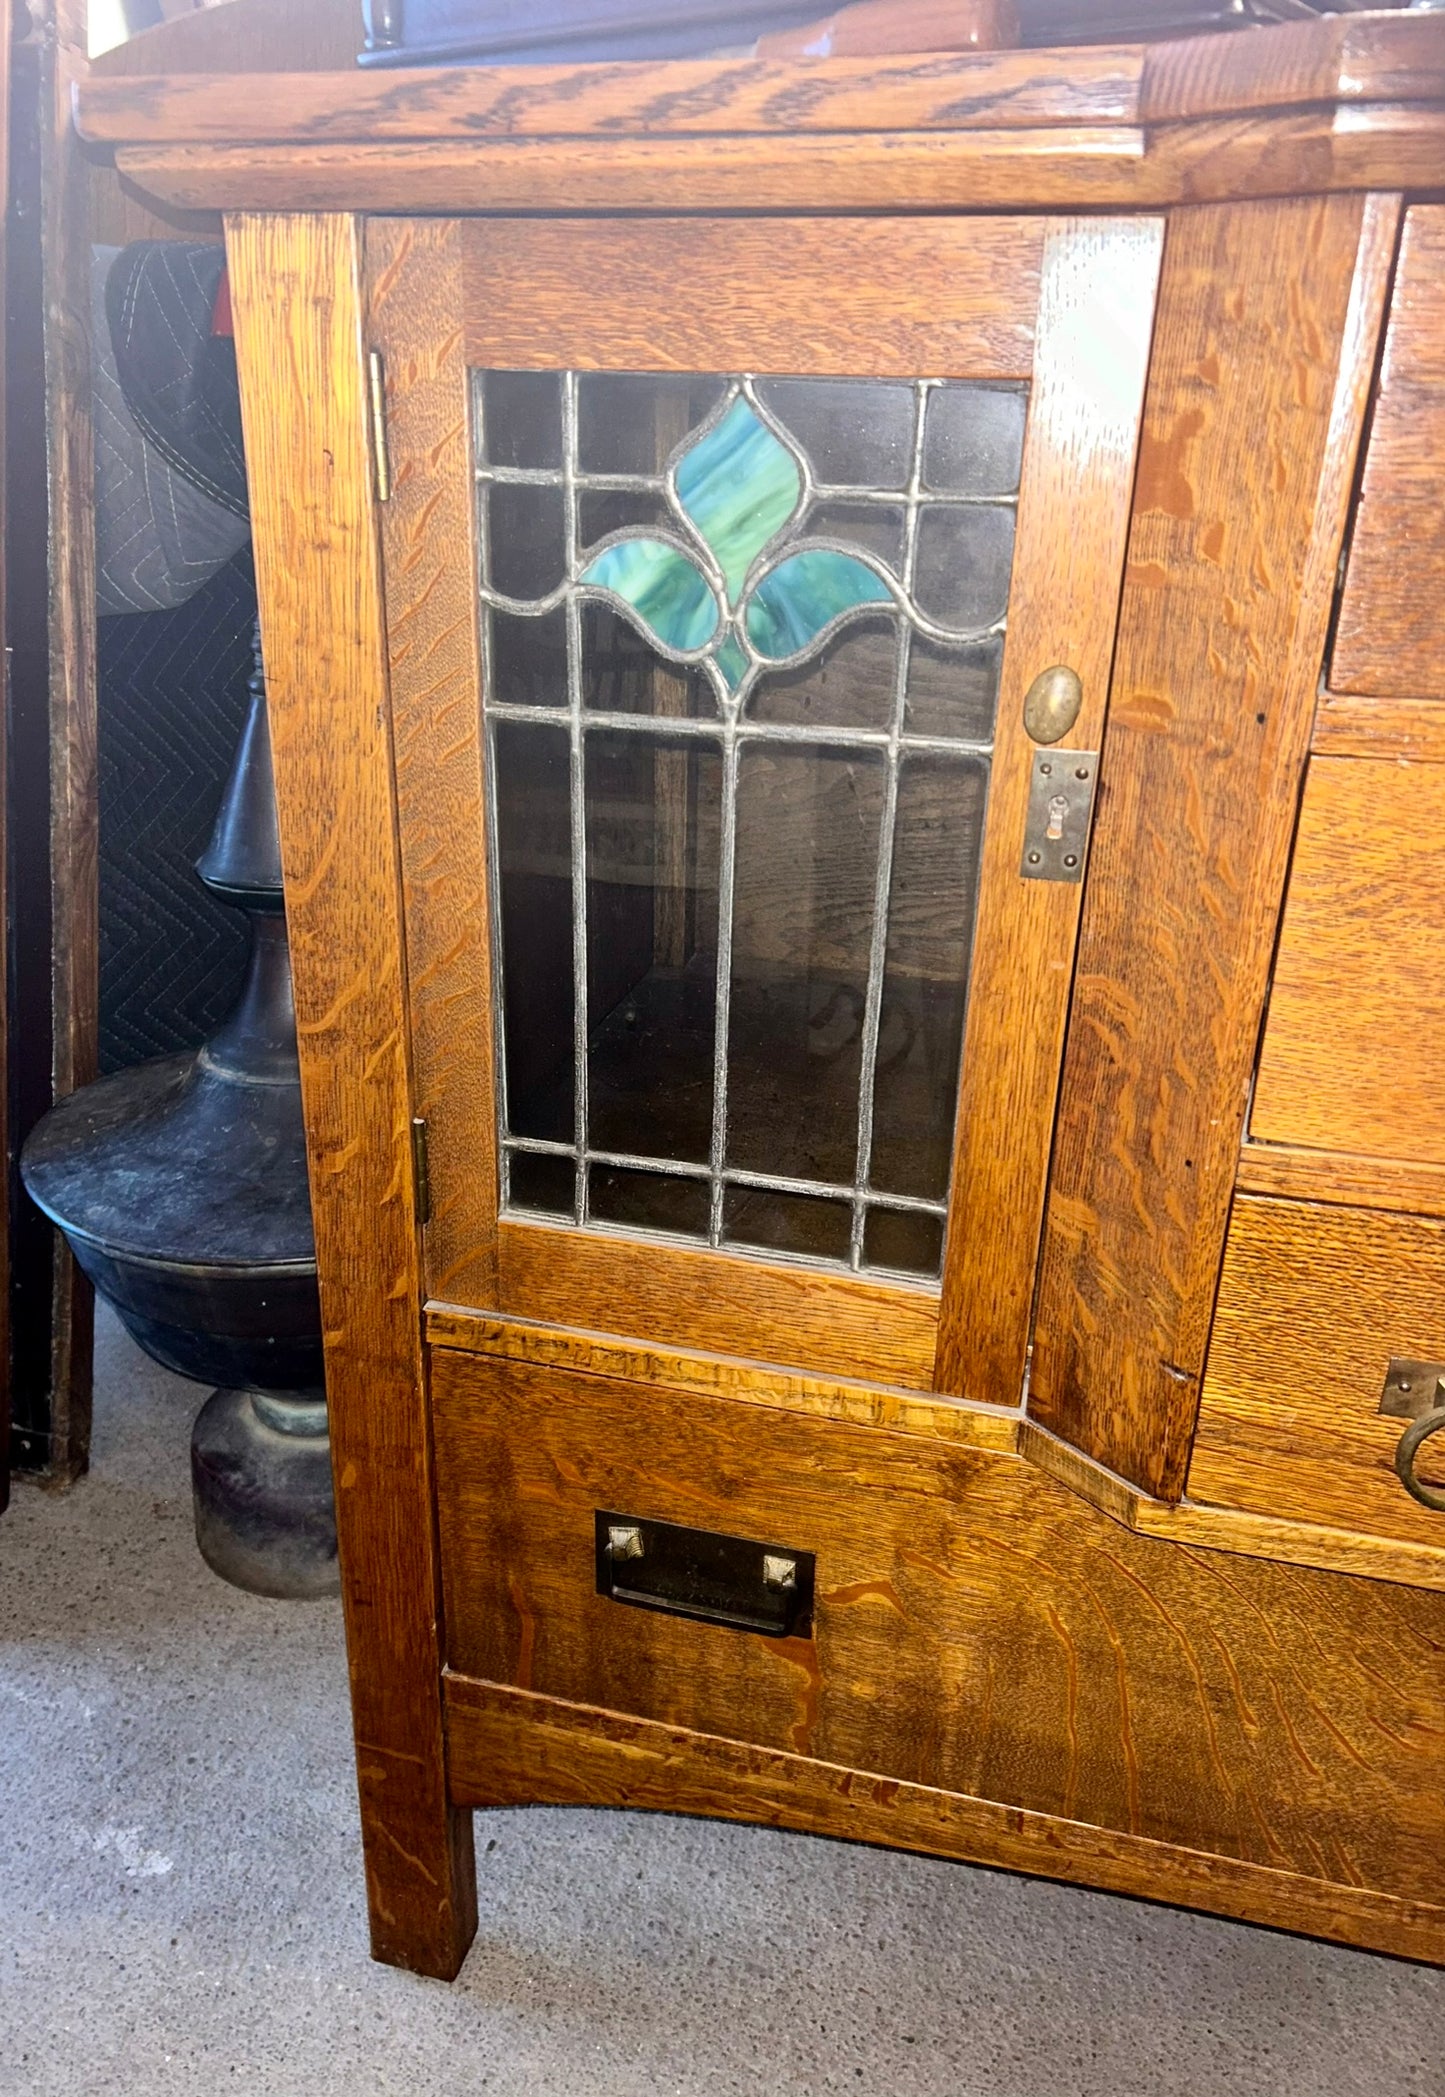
857,664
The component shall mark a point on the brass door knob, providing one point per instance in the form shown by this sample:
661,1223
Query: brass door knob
1418,1432
1052,703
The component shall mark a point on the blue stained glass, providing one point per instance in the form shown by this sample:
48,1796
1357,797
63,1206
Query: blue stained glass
795,601
669,595
739,486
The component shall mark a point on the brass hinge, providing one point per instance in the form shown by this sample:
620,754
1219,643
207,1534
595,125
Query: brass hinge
421,1166
376,382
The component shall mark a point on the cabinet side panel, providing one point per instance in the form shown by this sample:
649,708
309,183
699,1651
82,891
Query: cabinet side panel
1269,314
297,296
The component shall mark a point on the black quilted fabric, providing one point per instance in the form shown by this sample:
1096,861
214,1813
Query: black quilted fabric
172,702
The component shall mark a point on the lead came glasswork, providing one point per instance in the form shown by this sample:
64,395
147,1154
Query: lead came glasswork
742,651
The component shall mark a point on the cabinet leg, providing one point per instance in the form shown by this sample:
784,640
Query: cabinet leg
421,1871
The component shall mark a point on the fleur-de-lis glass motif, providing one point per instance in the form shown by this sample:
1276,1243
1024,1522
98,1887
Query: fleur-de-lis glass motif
740,597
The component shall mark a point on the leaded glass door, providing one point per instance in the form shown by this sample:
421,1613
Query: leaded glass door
738,1014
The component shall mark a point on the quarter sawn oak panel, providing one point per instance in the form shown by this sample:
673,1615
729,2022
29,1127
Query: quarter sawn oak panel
977,1629
1354,1049
1269,316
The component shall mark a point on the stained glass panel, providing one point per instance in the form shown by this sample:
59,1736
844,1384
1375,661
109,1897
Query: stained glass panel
743,641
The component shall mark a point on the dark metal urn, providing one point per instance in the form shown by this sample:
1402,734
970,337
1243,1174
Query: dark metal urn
181,1188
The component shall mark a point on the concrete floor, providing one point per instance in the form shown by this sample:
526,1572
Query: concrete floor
181,1911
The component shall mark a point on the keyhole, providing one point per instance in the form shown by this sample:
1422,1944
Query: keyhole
1058,809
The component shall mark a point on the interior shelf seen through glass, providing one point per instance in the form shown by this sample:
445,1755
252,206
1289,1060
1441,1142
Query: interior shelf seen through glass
742,641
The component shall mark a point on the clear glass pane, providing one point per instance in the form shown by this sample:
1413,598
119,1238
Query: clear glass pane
774,1222
954,691
649,1201
528,659
525,542
629,423
534,852
622,674
542,1182
852,684
905,1241
936,845
652,913
601,511
873,527
522,419
808,827
857,433
974,439
965,557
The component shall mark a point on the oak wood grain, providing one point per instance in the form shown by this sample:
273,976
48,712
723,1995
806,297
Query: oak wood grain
945,299
1408,1186
1256,399
756,1383
694,97
1313,1305
1353,1057
298,315
1391,636
414,271
1382,57
800,1317
1095,324
1327,1545
1311,151
1347,725
1393,60
976,1628
508,1747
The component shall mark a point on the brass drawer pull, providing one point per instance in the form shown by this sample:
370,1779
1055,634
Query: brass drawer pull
1417,1433
726,1580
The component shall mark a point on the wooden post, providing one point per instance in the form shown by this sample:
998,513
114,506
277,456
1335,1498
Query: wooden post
301,351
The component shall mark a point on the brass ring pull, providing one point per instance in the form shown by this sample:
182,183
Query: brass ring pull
1431,1496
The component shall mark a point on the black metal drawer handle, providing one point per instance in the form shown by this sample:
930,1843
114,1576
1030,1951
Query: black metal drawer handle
727,1580
1417,1433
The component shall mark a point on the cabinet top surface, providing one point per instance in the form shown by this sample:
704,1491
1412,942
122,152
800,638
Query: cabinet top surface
1344,102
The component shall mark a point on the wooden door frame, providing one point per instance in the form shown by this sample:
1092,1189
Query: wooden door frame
1066,304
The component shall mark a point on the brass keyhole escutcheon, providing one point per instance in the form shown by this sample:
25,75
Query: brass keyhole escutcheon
1053,702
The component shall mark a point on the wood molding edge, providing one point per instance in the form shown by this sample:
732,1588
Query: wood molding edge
1201,1526
512,1747
856,1401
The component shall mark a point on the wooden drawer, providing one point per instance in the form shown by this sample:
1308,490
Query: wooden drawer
1313,1304
1391,635
976,1628
1354,1046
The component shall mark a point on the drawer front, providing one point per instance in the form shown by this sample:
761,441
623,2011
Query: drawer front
1354,1047
1391,636
974,1626
1314,1303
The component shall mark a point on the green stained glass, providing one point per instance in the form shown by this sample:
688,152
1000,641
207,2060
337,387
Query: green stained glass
668,594
732,660
795,601
738,486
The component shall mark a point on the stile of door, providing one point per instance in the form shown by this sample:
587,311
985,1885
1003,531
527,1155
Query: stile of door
737,991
